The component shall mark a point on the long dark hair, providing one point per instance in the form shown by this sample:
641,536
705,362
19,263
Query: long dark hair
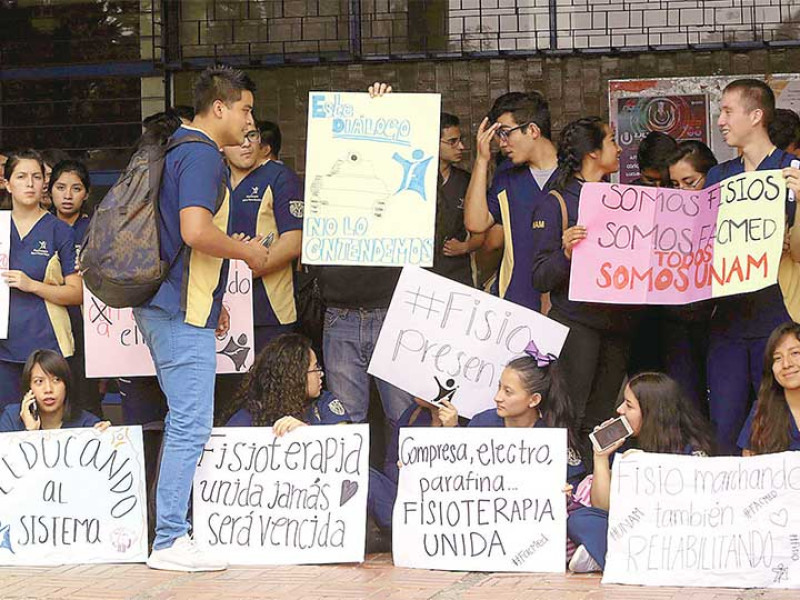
555,407
772,420
579,138
277,384
670,422
52,363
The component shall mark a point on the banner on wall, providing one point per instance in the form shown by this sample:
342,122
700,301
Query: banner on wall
371,175
116,348
706,522
296,499
445,340
5,255
71,496
649,245
481,500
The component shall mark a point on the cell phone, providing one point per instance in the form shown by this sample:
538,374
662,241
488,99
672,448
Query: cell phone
795,164
610,433
34,410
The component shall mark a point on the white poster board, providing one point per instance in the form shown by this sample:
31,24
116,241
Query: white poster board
5,258
72,496
443,339
705,522
115,347
371,173
297,499
481,500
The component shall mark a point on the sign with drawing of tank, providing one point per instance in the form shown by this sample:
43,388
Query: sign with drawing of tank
371,176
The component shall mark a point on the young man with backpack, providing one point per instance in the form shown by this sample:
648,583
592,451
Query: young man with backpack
179,321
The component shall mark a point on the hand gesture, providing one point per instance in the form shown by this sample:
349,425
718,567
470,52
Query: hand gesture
448,414
484,139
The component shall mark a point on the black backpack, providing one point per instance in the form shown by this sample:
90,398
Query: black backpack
120,257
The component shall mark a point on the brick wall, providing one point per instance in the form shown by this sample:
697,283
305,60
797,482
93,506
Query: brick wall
575,85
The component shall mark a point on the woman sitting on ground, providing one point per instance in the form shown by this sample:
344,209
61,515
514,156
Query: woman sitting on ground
46,382
283,389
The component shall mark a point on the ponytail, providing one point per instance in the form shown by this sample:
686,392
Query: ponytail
579,138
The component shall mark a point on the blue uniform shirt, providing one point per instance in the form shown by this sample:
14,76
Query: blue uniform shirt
269,202
46,254
79,227
754,314
325,410
10,420
512,198
194,175
744,437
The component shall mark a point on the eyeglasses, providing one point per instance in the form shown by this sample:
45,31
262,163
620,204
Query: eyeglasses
319,370
453,142
503,134
253,136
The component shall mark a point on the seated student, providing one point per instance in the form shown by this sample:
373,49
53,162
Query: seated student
772,424
284,389
663,421
46,381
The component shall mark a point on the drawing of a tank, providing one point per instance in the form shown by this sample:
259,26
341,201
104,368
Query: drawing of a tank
351,184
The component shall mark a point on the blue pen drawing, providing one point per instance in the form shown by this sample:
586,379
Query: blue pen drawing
5,538
413,172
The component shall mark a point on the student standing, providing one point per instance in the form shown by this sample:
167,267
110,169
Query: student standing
179,322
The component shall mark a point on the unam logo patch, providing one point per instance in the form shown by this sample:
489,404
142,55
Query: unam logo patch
296,208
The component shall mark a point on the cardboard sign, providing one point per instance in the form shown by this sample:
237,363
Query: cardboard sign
371,171
5,257
297,499
443,339
72,496
481,500
116,348
665,246
705,522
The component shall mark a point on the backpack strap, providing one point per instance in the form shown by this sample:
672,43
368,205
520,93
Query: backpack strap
563,205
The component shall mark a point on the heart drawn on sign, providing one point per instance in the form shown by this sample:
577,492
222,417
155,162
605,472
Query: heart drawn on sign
349,489
779,518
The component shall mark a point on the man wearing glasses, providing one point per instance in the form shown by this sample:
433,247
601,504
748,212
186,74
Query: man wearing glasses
267,200
452,246
521,124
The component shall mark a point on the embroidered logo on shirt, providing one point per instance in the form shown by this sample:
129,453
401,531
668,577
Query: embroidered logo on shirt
253,196
336,407
296,208
539,225
573,458
41,250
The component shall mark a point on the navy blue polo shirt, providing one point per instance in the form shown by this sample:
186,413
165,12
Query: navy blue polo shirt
194,175
79,227
512,197
325,410
10,420
47,253
753,314
744,437
269,202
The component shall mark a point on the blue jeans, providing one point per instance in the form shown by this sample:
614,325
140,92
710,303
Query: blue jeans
185,359
348,339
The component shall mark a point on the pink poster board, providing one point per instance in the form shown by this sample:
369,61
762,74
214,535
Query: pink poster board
115,346
664,246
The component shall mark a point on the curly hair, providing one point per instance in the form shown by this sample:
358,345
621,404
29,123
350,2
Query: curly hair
579,138
277,384
772,420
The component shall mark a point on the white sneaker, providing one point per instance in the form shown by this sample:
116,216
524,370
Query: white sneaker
184,555
582,561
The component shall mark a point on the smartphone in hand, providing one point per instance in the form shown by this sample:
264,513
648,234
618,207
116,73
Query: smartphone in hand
610,433
34,410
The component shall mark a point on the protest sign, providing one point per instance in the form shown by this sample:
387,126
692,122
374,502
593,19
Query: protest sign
706,522
443,339
297,499
371,174
116,348
481,500
665,246
72,496
5,256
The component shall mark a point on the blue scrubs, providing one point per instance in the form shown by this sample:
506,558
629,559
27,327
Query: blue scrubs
744,437
10,420
740,328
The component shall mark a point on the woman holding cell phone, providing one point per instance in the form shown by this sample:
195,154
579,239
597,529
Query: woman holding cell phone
655,416
47,380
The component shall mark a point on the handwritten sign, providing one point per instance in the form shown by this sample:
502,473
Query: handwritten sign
371,171
710,522
442,339
116,348
666,246
481,500
297,499
5,256
72,496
